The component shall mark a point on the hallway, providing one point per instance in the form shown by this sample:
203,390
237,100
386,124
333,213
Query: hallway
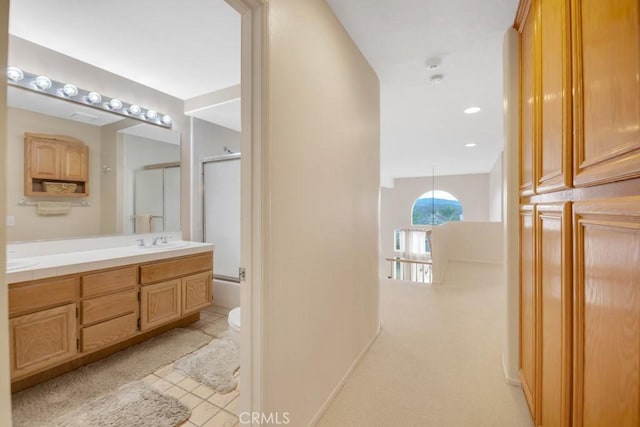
437,360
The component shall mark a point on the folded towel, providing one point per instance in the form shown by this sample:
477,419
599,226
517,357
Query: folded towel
53,208
143,223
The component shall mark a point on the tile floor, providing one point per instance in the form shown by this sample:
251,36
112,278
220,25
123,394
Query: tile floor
208,408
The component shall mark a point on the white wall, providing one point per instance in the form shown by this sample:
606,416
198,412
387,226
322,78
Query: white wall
208,140
396,203
465,241
5,389
80,221
495,190
320,178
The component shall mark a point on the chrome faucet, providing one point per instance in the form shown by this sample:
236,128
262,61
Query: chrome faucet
163,239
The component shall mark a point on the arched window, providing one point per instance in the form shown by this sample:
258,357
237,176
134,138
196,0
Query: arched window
436,207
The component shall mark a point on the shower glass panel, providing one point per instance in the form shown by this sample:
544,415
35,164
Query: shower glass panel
221,180
157,193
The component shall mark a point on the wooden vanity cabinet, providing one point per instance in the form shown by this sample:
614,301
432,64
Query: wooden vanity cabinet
109,308
58,159
60,323
184,287
42,339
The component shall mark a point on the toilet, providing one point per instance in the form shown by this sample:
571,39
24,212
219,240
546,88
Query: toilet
234,325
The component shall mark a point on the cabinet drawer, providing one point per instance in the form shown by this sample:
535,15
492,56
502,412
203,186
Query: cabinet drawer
104,333
102,308
42,294
176,268
108,281
43,339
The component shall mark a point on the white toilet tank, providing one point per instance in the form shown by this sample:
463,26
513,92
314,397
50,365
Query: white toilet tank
234,325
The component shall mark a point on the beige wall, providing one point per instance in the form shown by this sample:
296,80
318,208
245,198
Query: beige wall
395,208
321,183
5,390
80,221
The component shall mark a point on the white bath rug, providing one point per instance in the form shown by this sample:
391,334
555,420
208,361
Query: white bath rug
132,405
213,365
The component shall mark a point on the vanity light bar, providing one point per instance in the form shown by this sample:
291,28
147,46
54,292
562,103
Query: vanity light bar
70,92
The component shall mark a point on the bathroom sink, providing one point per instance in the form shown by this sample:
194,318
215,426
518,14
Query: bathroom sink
164,246
17,264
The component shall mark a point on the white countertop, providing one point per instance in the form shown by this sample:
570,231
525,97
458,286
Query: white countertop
60,264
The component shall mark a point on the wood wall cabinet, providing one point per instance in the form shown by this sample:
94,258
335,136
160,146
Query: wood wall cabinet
61,320
580,211
553,277
607,315
606,66
528,307
57,159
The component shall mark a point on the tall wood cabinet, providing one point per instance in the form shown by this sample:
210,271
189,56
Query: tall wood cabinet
580,211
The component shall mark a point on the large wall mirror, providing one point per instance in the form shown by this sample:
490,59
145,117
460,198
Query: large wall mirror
185,65
142,159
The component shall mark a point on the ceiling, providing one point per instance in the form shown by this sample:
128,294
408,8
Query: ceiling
187,49
423,127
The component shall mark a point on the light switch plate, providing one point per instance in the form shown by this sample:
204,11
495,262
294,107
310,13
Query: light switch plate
11,220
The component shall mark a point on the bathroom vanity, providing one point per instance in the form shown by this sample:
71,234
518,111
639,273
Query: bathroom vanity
117,297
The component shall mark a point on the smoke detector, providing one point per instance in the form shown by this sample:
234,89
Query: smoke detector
437,79
433,64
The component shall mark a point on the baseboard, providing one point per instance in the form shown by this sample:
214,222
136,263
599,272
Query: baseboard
511,381
343,381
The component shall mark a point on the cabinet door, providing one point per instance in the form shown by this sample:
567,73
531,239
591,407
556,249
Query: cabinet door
160,303
607,313
528,307
554,155
606,41
528,102
196,292
42,339
74,162
44,160
553,234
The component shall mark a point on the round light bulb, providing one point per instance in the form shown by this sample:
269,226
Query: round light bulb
134,109
70,90
15,74
115,104
151,115
94,98
166,119
43,82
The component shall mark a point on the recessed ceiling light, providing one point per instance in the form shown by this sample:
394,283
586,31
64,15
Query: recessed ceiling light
472,110
471,144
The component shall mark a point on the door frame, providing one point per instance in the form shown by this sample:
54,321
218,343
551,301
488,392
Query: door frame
254,178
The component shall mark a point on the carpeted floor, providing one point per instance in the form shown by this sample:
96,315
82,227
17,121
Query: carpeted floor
43,402
437,360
